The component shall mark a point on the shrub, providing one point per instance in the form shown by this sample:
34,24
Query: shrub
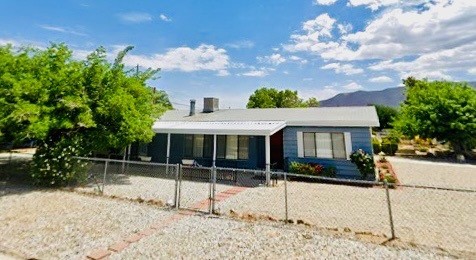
389,148
54,163
306,168
376,145
330,172
364,163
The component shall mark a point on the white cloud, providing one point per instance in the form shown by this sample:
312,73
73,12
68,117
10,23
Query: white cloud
135,17
61,29
352,86
8,41
297,59
255,73
434,65
324,2
373,4
472,71
243,44
438,39
164,18
274,59
319,93
381,79
204,57
347,69
223,73
344,28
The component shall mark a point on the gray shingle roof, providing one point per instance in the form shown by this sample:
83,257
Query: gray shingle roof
320,116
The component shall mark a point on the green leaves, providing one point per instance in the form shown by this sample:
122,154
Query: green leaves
440,109
273,98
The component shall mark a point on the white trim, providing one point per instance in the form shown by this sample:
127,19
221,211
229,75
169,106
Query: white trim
300,147
348,144
262,128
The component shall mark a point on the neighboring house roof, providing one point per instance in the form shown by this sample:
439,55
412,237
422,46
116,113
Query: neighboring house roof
320,116
220,128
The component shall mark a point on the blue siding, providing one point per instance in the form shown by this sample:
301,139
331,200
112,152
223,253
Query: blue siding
158,151
360,136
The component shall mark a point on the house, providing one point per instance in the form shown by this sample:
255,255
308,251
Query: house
268,138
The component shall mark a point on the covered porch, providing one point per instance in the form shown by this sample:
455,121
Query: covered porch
233,144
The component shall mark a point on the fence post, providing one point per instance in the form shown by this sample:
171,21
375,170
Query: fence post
180,185
389,208
176,185
210,188
104,177
286,196
214,169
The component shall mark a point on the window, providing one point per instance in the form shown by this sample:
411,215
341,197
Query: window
198,146
232,147
324,145
243,142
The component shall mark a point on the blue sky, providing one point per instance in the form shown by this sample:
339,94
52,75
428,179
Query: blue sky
227,49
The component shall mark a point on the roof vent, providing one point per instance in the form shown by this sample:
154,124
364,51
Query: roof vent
192,107
210,104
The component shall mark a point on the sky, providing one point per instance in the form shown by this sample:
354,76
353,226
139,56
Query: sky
227,49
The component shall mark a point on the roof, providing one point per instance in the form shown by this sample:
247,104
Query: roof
220,128
365,116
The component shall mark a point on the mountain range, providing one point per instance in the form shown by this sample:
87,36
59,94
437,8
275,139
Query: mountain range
389,97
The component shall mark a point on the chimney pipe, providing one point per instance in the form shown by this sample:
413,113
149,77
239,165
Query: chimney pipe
192,107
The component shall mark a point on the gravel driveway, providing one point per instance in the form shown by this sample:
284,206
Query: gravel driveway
217,238
439,174
64,225
435,218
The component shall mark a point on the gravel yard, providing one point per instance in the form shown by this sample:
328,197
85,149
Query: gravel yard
439,174
429,217
217,238
156,188
65,225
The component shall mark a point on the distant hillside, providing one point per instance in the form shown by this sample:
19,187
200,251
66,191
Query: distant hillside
389,97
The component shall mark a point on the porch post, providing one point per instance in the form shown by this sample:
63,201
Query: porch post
214,150
168,148
268,160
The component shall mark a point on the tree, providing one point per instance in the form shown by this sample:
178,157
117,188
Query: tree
73,107
439,109
273,98
386,115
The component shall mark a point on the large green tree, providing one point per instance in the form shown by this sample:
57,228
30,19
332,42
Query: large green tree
72,107
439,109
386,115
273,98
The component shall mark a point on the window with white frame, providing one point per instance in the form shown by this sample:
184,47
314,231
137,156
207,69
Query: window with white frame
324,145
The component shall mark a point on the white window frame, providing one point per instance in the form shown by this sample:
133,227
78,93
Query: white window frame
347,145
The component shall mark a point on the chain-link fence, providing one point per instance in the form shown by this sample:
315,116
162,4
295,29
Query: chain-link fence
415,214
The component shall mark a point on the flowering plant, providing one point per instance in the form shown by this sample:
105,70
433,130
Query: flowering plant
54,163
364,163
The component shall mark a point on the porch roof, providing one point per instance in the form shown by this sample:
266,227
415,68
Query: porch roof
262,128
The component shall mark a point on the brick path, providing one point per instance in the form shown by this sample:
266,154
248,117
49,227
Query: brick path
120,245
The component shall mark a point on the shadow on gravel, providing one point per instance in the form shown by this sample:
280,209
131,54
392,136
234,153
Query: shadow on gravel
15,177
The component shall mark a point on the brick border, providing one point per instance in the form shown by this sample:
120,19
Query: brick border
122,244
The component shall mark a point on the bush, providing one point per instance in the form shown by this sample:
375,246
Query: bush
312,169
54,163
330,172
376,145
389,148
364,162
